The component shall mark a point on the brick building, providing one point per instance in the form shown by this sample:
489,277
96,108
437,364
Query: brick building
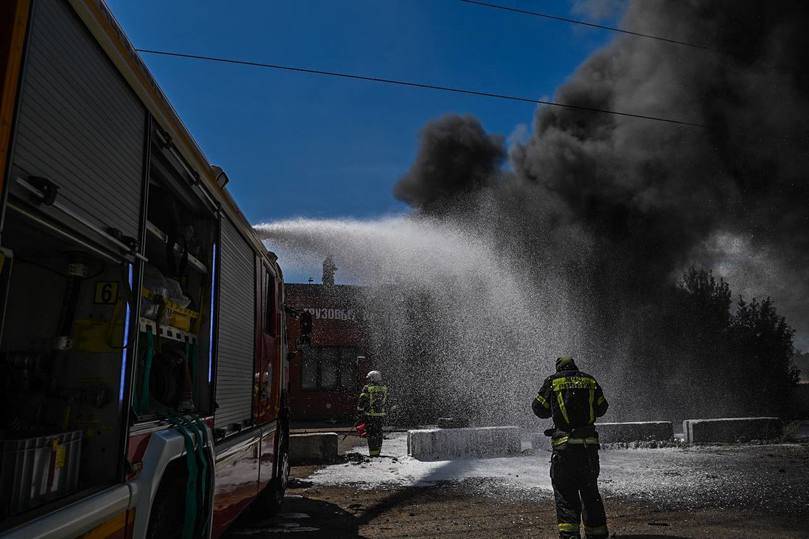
326,373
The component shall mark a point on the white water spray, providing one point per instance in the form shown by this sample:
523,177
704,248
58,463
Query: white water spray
458,327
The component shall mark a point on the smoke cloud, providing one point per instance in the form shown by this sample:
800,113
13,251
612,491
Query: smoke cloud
651,196
456,158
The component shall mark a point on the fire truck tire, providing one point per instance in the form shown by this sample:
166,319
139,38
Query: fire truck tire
273,495
168,510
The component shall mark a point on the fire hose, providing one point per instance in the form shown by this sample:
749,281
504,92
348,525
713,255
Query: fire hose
195,434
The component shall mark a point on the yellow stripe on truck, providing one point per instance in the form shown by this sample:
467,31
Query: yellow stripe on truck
116,526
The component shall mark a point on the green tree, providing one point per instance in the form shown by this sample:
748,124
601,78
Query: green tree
703,312
762,342
707,301
738,360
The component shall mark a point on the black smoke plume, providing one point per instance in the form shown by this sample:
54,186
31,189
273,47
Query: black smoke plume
456,158
652,195
623,205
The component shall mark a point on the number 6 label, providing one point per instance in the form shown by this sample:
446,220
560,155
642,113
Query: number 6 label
106,293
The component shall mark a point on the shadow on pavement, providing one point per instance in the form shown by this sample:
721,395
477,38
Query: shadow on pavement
400,497
386,504
309,517
646,536
303,517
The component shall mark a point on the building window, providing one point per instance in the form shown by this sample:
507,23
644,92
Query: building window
309,372
329,371
331,368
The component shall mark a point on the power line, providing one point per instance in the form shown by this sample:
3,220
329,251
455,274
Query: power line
412,84
583,23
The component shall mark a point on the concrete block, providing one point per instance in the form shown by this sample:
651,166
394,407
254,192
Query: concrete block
731,429
635,431
314,448
451,444
540,442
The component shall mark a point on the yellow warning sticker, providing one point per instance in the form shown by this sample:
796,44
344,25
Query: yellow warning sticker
59,462
106,293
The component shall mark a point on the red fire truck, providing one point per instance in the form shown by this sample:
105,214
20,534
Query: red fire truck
143,361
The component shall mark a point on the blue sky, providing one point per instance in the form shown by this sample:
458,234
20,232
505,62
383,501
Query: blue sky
302,145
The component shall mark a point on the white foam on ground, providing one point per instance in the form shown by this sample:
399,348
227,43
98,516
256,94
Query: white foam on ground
522,472
683,478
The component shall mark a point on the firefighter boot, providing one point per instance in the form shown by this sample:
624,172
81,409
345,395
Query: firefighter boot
374,437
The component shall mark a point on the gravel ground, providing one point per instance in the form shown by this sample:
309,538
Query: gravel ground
717,491
751,477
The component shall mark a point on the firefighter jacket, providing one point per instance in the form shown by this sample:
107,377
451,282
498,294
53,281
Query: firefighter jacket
574,400
373,401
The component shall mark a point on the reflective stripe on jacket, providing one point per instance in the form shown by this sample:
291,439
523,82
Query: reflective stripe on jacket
572,398
373,400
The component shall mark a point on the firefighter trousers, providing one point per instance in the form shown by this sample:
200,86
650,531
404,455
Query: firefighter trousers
574,475
374,428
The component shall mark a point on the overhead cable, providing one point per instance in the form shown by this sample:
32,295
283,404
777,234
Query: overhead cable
412,84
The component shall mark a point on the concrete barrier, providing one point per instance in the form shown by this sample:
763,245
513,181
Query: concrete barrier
731,429
451,444
540,442
315,448
635,431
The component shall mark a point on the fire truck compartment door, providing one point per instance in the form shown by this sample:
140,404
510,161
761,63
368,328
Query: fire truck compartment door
236,345
79,124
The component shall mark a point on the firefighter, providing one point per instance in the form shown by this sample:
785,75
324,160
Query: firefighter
574,400
371,409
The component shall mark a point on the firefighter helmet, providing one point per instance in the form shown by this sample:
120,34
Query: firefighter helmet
374,377
565,363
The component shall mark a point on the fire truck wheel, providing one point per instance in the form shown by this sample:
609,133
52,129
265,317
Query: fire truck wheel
168,510
274,494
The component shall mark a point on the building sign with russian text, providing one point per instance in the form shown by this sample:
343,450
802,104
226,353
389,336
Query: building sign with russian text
329,313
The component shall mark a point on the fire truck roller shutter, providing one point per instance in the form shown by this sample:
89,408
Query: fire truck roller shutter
237,296
79,124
